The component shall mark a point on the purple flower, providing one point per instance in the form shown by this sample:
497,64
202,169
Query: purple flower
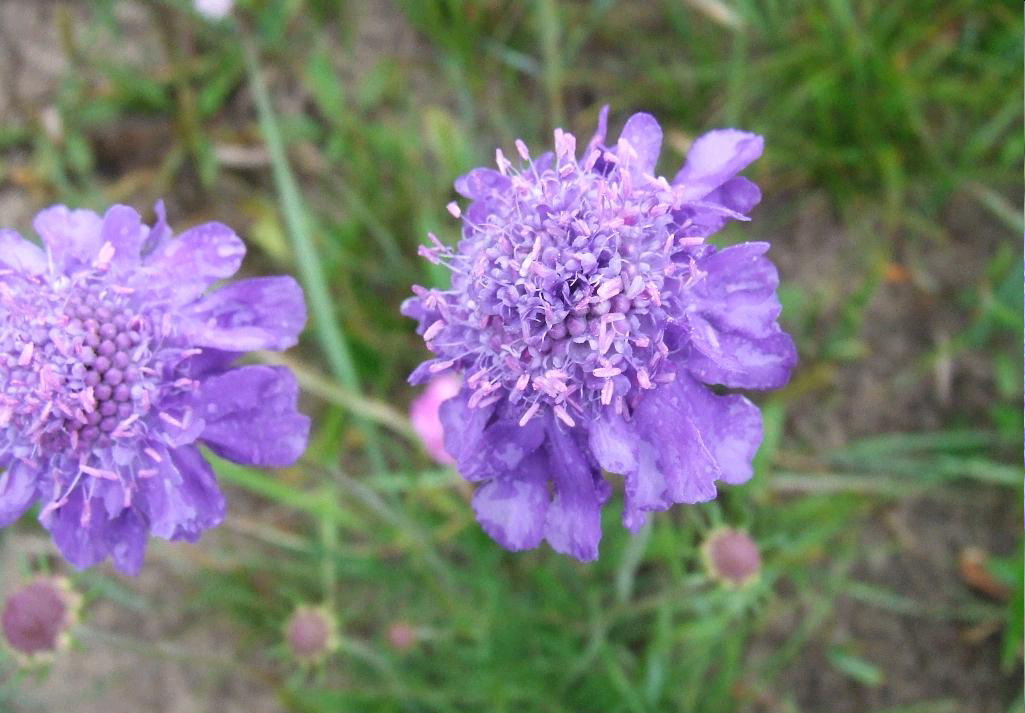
115,365
311,634
37,618
589,316
424,413
731,557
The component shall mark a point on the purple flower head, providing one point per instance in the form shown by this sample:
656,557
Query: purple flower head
37,618
115,364
588,315
731,557
311,634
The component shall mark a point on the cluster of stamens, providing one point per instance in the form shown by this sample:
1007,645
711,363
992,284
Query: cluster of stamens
564,285
79,365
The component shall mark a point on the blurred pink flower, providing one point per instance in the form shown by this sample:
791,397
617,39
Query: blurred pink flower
402,636
214,9
424,414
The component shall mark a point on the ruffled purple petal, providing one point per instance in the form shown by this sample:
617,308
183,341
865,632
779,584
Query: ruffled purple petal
18,254
573,520
18,488
86,536
258,313
463,427
697,438
736,197
123,229
512,508
644,137
183,498
196,259
250,416
733,334
738,361
715,158
72,237
126,536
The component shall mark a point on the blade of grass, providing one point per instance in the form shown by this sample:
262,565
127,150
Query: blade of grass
329,332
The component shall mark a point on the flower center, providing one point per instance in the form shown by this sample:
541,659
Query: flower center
563,291
75,363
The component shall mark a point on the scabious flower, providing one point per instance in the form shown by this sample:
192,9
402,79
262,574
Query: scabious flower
589,316
116,364
424,413
37,618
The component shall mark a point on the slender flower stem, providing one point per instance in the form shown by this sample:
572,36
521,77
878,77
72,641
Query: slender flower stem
328,331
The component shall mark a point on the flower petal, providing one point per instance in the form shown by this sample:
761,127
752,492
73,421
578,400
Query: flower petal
196,259
738,291
71,236
17,491
183,499
644,136
698,437
123,229
512,508
16,253
463,427
613,443
715,158
734,336
573,521
737,360
258,313
85,536
500,448
250,416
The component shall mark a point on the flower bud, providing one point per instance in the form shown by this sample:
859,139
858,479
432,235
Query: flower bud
731,557
402,636
311,634
37,618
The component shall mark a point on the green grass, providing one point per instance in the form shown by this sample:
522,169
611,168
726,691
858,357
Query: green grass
888,113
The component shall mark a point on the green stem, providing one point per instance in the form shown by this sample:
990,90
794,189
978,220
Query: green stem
328,331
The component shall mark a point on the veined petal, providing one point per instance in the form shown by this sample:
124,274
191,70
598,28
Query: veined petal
644,136
715,158
250,416
71,236
123,229
16,253
196,259
698,437
573,521
512,508
736,360
18,488
258,313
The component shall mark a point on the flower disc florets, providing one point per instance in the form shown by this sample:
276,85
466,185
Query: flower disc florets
563,290
585,314
115,360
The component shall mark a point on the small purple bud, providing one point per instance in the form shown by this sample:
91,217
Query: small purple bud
402,636
38,617
311,634
731,557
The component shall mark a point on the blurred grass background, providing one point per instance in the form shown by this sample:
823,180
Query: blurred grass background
887,501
